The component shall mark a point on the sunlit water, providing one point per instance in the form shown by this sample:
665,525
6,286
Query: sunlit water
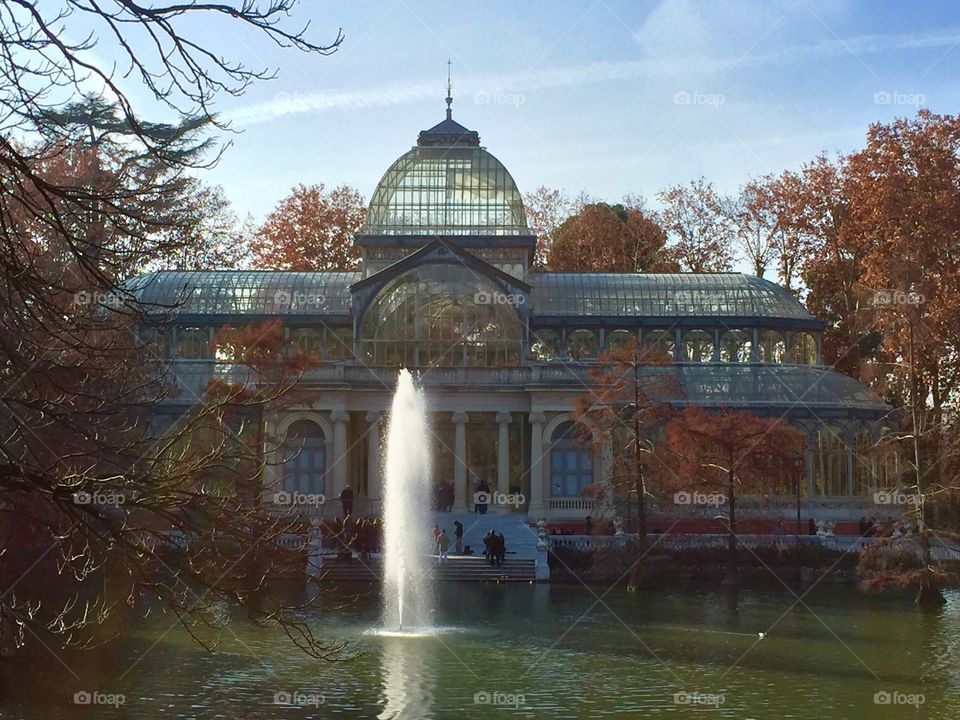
553,652
407,587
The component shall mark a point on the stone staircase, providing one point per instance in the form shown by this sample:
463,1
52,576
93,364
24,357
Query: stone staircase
459,569
520,538
519,564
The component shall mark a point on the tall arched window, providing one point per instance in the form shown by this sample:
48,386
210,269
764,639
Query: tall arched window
544,345
339,343
773,348
582,345
307,341
698,346
156,344
830,463
617,338
803,349
441,315
193,343
571,468
659,341
865,465
304,453
736,346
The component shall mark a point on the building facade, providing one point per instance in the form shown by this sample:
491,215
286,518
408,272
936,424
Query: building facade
446,289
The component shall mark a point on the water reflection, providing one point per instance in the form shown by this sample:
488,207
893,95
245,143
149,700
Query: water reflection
408,679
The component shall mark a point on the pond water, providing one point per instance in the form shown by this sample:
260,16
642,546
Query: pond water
527,651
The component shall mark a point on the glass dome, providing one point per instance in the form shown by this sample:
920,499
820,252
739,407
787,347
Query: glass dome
447,185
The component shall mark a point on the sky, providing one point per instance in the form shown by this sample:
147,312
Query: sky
607,97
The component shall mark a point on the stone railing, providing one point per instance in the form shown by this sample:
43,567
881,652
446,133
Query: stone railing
459,377
686,541
578,505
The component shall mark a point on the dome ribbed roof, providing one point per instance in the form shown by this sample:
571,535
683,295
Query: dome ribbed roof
446,185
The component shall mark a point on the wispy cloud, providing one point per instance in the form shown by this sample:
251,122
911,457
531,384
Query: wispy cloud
289,103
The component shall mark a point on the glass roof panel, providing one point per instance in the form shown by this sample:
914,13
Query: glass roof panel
661,295
246,292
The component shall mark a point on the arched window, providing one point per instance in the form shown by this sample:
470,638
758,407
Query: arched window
193,343
736,346
803,349
304,458
339,343
440,315
773,348
885,460
582,345
659,341
830,462
571,468
618,338
156,344
698,346
865,465
307,341
545,345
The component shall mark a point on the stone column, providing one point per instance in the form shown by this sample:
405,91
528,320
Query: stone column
462,498
503,460
340,462
536,509
374,479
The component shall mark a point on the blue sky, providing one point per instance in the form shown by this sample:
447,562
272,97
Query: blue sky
608,97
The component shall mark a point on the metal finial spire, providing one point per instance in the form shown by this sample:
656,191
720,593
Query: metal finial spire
449,92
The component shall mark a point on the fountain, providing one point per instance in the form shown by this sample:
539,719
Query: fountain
406,534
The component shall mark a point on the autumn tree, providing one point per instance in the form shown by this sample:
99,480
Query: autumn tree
832,268
770,204
630,394
730,453
697,221
311,229
608,238
905,209
547,209
85,188
211,234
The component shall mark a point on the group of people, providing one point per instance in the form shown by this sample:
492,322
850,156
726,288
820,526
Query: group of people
351,534
441,541
494,548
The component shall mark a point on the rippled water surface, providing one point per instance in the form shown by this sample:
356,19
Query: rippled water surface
524,651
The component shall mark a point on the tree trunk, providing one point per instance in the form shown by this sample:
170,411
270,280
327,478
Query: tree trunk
641,488
928,595
732,576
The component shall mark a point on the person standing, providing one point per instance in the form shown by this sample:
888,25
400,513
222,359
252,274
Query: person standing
488,546
458,536
435,534
482,498
443,547
501,548
346,501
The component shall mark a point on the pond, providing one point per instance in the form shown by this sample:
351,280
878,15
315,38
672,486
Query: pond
560,651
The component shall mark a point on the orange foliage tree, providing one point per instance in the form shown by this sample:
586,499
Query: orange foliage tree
546,209
311,229
728,452
608,238
630,394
